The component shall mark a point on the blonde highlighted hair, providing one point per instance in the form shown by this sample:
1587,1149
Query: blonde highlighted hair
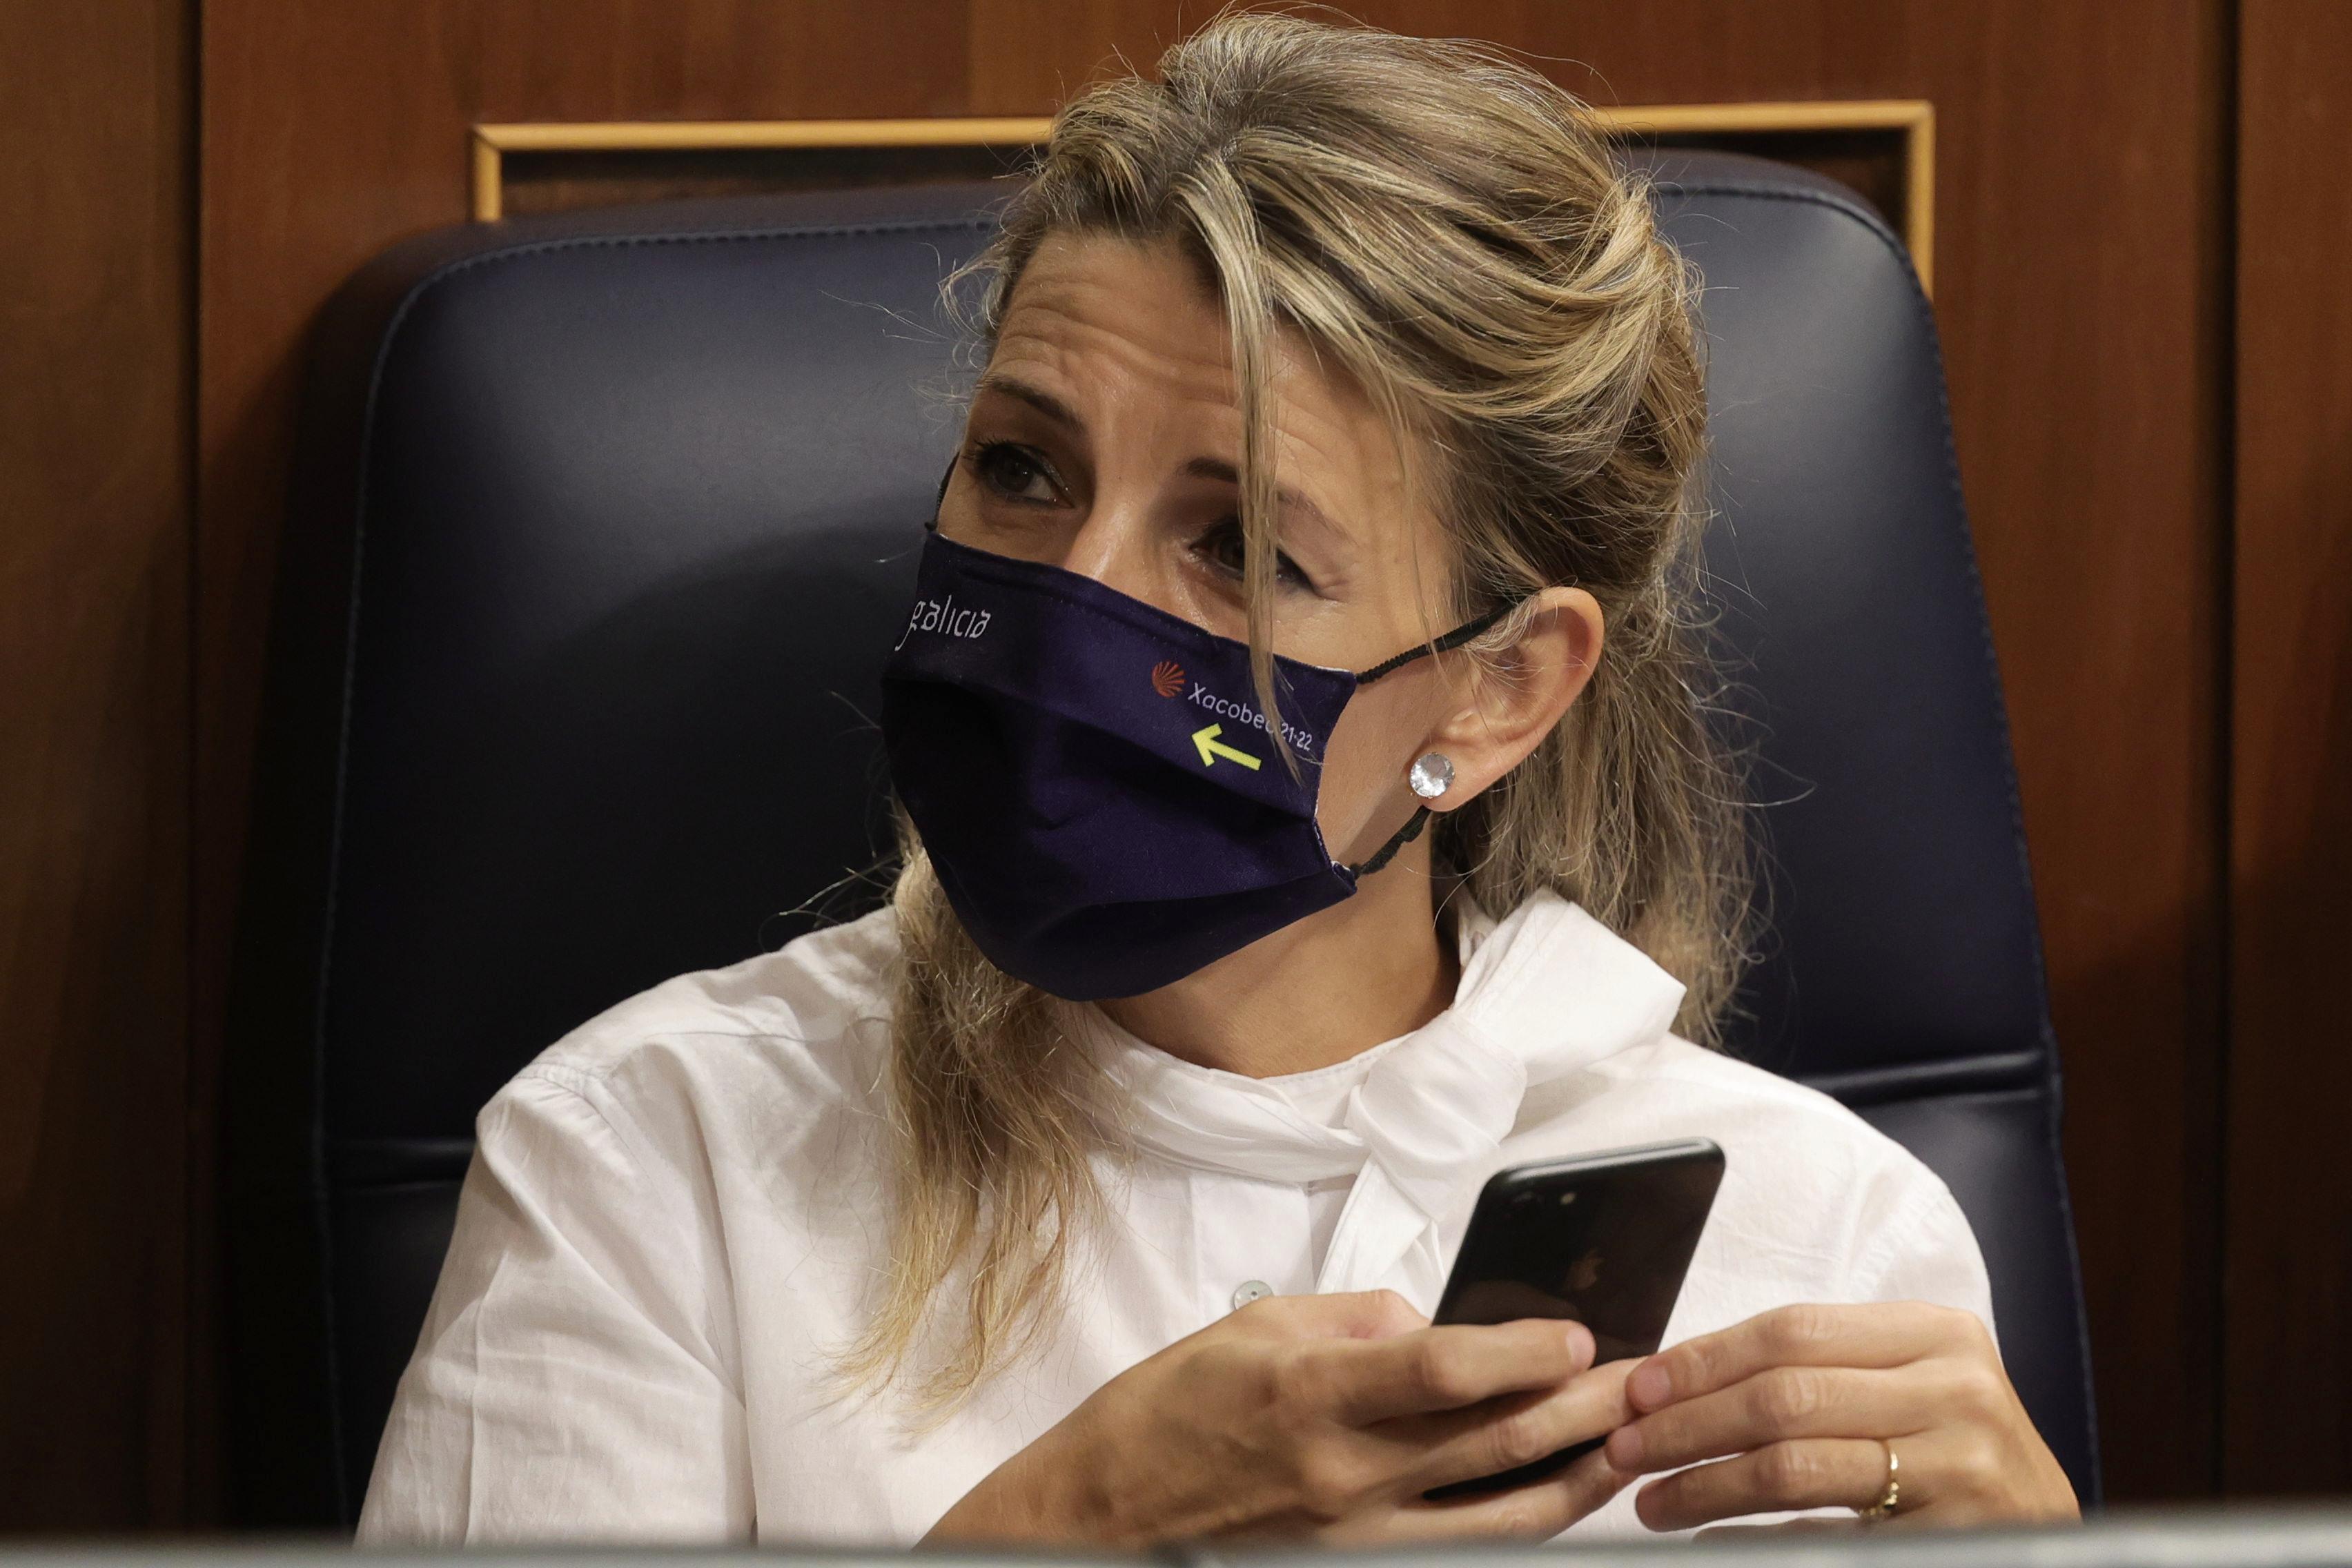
1453,231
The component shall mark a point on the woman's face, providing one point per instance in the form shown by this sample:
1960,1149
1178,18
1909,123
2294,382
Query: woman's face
1104,439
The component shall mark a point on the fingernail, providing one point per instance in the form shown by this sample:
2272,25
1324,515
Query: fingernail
1579,1343
1624,1448
1649,1387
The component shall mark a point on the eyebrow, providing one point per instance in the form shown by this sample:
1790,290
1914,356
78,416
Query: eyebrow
1285,496
1215,468
1044,403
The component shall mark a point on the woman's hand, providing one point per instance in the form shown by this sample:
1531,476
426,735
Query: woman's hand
1792,1407
1315,1417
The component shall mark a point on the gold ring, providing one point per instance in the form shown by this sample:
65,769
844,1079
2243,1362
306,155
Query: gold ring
1886,1499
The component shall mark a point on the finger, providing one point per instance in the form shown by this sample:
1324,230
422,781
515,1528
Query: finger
1777,1403
1444,1368
1807,1472
1503,1434
1341,1315
1874,1333
1536,1511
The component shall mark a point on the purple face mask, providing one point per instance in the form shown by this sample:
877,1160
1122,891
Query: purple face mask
1094,781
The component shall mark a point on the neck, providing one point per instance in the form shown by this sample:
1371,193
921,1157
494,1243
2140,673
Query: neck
1319,990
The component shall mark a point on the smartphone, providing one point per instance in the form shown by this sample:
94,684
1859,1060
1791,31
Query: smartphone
1604,1239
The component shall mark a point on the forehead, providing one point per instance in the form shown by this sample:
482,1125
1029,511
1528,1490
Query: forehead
1132,331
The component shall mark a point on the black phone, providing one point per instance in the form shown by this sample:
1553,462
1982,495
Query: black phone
1604,1238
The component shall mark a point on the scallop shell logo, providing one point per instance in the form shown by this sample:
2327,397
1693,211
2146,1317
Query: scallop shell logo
1168,678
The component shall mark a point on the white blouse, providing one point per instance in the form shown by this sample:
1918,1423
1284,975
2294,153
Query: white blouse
674,1217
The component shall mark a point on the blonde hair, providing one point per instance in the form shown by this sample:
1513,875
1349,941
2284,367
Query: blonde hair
1455,232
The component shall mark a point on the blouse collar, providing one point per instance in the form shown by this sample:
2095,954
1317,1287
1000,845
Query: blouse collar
1546,991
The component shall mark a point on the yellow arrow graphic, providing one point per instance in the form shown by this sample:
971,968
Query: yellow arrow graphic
1206,738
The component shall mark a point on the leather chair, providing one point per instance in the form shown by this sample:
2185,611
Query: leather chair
603,522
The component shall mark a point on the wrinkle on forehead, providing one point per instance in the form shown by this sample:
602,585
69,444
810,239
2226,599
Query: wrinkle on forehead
1131,331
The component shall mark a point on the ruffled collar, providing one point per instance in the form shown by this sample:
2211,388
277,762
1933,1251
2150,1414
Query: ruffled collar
1546,991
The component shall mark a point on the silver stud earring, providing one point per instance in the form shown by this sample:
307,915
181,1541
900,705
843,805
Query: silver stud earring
1432,776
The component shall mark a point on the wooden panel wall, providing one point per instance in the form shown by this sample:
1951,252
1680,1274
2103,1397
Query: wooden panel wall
2289,1224
2083,329
2089,158
96,1320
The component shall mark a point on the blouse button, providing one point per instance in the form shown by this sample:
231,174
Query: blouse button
1250,1290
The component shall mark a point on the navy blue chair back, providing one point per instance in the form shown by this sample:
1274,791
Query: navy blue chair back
604,525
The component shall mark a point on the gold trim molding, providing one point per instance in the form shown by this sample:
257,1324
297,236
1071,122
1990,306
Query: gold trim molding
1913,119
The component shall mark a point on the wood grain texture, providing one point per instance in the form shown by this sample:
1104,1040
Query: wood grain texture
329,133
2288,1420
95,1159
1875,164
2081,186
560,182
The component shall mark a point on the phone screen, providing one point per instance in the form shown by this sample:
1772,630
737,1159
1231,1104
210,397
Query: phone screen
1602,1238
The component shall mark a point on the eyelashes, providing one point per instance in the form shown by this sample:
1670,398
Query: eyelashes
1224,547
1008,469
991,458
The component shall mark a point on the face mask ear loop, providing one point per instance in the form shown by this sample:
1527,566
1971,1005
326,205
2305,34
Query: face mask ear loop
1403,835
939,500
1446,644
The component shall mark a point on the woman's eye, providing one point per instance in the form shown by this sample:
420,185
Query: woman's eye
1012,470
1225,549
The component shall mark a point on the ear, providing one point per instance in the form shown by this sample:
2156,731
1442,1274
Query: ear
1507,709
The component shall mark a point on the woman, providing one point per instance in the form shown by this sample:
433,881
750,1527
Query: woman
1095,1191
